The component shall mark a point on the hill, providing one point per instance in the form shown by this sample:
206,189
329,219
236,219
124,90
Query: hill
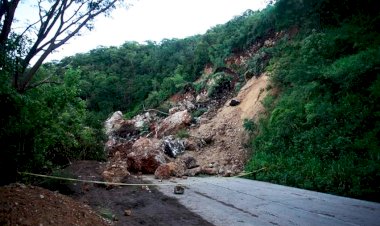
313,72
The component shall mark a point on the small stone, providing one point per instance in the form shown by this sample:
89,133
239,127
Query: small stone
128,212
42,196
184,177
179,190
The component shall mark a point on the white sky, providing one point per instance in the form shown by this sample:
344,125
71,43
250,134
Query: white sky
155,20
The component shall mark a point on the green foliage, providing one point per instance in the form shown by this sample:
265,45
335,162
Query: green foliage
220,83
107,213
198,112
44,127
322,131
249,125
183,133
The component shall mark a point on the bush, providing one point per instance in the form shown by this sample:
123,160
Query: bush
44,127
183,133
220,83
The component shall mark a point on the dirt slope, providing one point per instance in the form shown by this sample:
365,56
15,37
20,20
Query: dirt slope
227,152
31,205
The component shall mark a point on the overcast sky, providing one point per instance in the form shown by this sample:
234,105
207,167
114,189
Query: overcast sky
155,20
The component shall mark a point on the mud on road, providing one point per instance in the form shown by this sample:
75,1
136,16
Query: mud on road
83,203
144,205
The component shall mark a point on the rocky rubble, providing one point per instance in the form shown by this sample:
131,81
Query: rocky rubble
202,133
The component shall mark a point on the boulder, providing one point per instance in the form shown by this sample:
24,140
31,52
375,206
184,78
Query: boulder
113,122
124,148
186,105
190,162
146,156
117,127
193,172
234,102
173,123
190,145
173,147
209,171
116,169
142,120
202,97
174,110
126,129
163,172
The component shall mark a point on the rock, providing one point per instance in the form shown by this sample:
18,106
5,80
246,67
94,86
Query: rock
173,123
127,212
179,190
142,120
173,147
186,105
111,123
146,156
190,162
126,129
248,75
209,138
163,172
209,171
190,145
234,102
202,97
193,172
117,127
123,148
177,168
116,169
174,110
228,173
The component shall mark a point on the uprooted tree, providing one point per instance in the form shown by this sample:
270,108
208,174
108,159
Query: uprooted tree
58,21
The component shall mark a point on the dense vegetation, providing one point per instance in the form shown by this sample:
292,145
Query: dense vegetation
321,129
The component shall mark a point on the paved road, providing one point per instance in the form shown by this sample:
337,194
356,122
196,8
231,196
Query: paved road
238,202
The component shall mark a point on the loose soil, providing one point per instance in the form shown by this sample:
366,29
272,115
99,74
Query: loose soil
227,149
30,205
123,205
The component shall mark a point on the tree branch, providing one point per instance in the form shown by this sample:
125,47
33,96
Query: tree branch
54,43
7,11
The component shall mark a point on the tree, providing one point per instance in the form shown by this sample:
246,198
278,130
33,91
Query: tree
58,21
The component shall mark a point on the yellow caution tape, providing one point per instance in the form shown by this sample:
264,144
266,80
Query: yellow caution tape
124,184
90,181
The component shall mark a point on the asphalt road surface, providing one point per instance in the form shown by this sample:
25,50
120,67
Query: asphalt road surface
238,202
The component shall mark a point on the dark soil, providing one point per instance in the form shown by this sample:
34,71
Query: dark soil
144,205
84,203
